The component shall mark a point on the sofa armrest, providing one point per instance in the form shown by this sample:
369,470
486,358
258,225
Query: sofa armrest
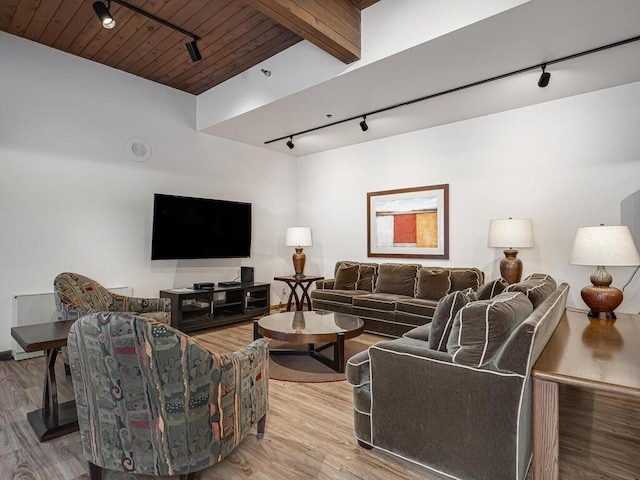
455,419
326,283
122,303
358,372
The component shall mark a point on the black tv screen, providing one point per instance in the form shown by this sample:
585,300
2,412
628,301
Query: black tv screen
188,227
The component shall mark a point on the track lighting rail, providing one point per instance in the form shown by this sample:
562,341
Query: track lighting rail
462,87
157,19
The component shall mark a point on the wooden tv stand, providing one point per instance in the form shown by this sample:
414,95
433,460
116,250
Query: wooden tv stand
198,309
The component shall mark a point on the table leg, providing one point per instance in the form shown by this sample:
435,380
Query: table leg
545,430
53,420
338,353
305,296
256,332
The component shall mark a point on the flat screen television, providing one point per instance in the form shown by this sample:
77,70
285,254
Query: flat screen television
188,227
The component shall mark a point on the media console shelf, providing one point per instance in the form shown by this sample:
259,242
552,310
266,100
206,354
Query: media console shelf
197,309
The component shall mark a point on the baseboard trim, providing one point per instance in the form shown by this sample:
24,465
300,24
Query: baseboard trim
6,355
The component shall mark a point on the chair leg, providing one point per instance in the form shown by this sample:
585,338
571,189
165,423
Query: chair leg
95,472
261,424
188,476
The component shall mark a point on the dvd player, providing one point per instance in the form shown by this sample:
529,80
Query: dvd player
228,284
204,286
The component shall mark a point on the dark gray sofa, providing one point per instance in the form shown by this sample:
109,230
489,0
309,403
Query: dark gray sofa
462,407
391,298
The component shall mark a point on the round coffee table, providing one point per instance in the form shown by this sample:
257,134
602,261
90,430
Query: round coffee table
309,328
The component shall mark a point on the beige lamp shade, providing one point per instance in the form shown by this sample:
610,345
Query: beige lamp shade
511,233
298,237
608,246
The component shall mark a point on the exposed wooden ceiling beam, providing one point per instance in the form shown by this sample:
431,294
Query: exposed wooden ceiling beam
332,25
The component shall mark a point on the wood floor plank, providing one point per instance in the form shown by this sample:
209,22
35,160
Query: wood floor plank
309,433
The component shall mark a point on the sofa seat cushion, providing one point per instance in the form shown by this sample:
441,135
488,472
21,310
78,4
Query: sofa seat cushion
417,306
537,288
432,284
397,278
480,328
337,296
346,277
379,301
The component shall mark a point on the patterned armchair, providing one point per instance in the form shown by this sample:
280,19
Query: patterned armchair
152,401
77,295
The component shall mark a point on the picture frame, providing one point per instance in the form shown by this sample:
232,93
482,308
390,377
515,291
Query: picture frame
409,222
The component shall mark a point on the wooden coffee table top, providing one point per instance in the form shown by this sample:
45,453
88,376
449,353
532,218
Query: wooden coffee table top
42,336
310,327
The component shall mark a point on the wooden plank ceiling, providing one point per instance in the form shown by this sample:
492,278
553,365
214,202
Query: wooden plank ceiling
235,34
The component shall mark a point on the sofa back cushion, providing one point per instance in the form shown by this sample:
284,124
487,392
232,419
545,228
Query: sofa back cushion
397,278
491,289
443,319
463,278
432,284
480,328
537,287
346,277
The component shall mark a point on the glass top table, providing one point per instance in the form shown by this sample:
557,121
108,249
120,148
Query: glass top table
311,327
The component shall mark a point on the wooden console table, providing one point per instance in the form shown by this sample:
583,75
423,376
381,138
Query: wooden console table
587,354
304,282
53,419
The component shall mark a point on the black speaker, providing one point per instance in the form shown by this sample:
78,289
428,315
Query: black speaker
246,274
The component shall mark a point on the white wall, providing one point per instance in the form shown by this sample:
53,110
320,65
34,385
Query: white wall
564,164
72,200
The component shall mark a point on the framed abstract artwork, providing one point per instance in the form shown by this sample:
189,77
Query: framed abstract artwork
409,222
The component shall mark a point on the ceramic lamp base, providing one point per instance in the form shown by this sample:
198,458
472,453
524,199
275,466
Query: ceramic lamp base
299,259
511,267
602,301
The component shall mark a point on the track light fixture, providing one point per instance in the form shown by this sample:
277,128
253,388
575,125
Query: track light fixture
194,53
545,77
542,82
290,143
102,11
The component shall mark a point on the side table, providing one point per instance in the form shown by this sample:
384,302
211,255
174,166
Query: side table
53,419
588,354
302,282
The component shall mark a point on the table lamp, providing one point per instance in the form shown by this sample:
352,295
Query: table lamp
603,246
298,237
511,233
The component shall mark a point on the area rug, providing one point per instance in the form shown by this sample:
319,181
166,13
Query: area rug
303,368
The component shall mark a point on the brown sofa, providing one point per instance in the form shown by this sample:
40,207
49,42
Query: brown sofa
455,396
391,298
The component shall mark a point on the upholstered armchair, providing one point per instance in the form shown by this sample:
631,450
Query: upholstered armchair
77,295
152,401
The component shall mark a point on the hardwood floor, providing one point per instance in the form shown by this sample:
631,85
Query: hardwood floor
309,433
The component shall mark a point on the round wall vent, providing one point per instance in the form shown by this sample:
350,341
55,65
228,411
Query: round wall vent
138,149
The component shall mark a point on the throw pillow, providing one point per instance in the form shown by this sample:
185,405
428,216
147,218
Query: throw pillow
442,321
346,277
536,289
465,278
432,284
481,328
366,277
397,279
491,289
